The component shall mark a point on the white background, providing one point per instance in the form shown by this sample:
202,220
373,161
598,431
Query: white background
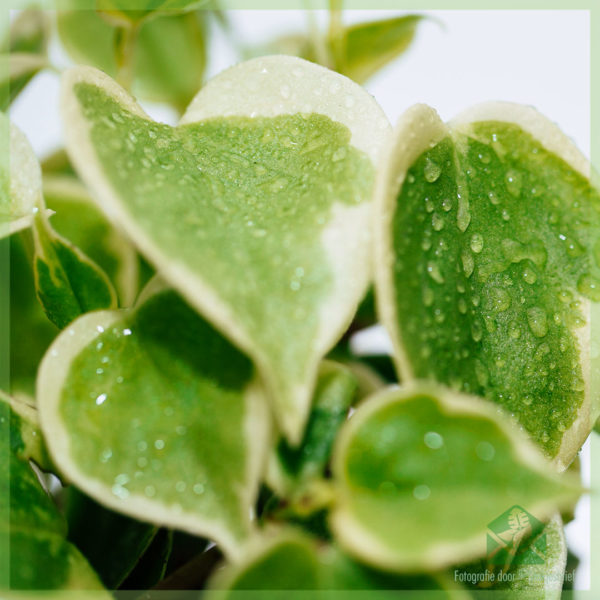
459,58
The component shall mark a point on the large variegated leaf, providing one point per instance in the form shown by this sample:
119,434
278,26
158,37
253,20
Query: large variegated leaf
153,414
421,473
256,207
489,265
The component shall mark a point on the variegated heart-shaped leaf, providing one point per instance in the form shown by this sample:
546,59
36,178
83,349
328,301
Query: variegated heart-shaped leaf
488,260
422,471
256,207
152,413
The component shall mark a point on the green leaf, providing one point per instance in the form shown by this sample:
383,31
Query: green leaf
112,543
421,473
16,70
169,56
127,12
487,275
41,558
67,282
255,207
152,566
77,219
537,575
20,180
24,52
133,404
371,46
334,393
30,330
288,560
26,438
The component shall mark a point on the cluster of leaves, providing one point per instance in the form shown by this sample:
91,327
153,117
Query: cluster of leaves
183,303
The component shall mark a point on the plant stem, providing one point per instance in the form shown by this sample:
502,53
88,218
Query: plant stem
336,36
125,41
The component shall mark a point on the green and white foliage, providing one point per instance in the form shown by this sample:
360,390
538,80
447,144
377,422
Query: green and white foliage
255,208
40,556
488,264
135,403
20,180
288,560
420,472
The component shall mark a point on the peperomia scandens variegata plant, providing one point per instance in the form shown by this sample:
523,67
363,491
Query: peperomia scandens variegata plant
487,264
189,405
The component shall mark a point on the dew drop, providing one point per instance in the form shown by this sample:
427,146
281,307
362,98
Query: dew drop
421,492
426,244
481,373
494,198
589,286
500,299
462,306
529,276
476,331
514,182
485,451
159,444
434,272
431,171
198,489
101,399
149,491
514,330
537,320
447,204
437,221
463,215
428,296
476,243
468,262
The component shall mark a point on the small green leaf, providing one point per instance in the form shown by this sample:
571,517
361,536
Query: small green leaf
134,403
288,560
40,556
422,471
333,396
152,566
27,442
112,543
16,70
20,181
30,330
67,282
169,55
77,219
371,46
24,52
487,274
255,207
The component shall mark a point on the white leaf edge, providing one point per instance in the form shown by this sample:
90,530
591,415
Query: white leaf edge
419,129
263,93
358,541
24,180
53,372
